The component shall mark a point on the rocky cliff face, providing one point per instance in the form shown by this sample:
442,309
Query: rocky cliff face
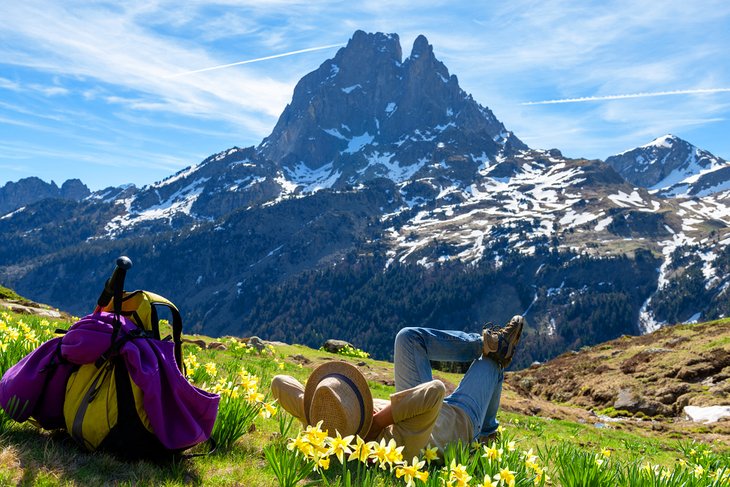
366,113
30,190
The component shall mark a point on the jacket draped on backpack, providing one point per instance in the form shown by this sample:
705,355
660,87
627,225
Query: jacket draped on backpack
180,415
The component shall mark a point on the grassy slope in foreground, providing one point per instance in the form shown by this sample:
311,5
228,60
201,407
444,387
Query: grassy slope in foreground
30,457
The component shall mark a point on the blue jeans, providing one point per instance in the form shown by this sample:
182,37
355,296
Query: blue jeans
478,392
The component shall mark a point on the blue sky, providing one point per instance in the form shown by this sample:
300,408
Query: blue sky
98,90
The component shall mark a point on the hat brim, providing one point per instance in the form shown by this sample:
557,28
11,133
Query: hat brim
353,374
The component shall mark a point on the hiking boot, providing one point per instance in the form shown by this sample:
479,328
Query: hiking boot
500,344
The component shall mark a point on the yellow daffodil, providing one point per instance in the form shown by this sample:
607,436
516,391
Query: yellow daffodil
492,453
211,369
380,453
506,476
23,326
539,472
314,435
394,453
699,471
430,454
458,474
270,409
250,383
606,452
362,450
321,462
299,443
487,482
255,398
341,446
409,472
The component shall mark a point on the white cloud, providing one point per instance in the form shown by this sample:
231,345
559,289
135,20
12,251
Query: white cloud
9,85
699,91
115,50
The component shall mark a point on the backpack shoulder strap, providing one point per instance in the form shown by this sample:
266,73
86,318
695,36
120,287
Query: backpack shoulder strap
157,300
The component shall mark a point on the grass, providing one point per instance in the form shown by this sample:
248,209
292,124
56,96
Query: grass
31,457
6,293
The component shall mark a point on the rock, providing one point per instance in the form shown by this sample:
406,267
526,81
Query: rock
669,394
602,396
696,371
627,400
199,343
256,343
299,358
31,310
335,346
630,365
676,341
217,346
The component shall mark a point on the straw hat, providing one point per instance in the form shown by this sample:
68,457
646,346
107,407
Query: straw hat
338,395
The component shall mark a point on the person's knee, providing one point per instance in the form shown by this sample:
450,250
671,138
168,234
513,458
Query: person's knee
435,393
407,335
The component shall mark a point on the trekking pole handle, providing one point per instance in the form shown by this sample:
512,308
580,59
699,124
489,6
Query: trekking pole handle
123,264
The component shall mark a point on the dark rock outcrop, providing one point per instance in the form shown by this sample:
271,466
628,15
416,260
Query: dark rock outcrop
27,191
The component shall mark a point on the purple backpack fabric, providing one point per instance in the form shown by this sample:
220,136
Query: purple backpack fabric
38,382
180,414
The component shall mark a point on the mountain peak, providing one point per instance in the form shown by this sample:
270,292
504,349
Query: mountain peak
665,141
672,167
26,191
365,114
372,45
421,48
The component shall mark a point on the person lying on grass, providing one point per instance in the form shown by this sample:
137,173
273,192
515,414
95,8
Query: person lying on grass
418,414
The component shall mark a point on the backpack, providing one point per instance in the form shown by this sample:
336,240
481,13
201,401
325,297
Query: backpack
123,386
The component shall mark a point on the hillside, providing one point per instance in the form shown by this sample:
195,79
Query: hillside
547,408
649,377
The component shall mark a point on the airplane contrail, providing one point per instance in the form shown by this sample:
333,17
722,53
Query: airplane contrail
629,95
248,61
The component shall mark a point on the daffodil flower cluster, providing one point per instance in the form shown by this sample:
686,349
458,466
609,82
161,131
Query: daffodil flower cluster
18,337
318,447
241,402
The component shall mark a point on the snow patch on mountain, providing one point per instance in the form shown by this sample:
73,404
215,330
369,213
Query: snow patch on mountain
358,142
308,180
179,203
12,213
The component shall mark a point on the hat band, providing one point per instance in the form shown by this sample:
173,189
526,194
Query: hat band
360,400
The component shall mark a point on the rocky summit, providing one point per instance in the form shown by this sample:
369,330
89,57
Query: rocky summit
671,166
386,196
